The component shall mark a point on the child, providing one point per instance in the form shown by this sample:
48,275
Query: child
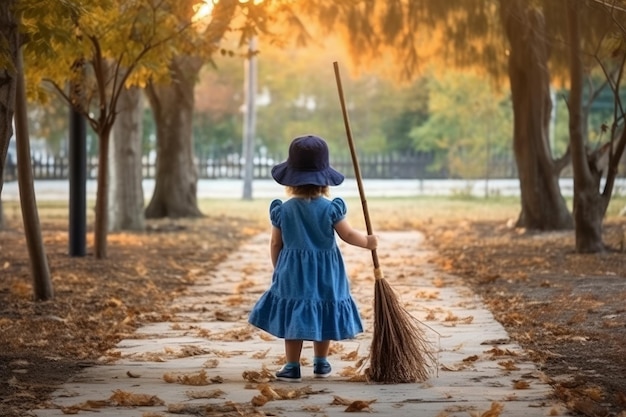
309,297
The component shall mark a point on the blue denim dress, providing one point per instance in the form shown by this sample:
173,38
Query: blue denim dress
309,297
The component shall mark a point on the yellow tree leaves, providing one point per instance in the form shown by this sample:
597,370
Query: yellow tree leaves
124,34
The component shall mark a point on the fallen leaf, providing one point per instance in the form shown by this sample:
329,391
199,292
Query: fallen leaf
350,356
259,400
211,363
358,406
267,337
190,379
258,376
494,411
509,365
129,399
261,354
521,384
496,351
226,316
337,400
349,371
88,405
216,393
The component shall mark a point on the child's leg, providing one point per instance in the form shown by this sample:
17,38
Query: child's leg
321,367
291,371
321,348
293,350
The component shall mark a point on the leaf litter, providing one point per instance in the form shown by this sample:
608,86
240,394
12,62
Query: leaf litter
553,302
141,276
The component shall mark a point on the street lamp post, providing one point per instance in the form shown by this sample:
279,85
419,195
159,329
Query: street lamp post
249,126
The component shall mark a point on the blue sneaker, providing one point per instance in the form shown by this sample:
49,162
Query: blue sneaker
289,374
322,370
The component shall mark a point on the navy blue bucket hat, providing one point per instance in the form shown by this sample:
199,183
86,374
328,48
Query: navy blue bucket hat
308,164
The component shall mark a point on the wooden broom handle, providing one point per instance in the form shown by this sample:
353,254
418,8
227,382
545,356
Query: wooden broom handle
357,169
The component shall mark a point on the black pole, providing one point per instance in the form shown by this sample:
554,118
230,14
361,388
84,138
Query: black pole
78,183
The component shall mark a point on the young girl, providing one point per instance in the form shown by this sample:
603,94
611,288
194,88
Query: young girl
309,298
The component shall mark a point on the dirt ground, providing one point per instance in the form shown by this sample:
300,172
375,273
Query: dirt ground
568,310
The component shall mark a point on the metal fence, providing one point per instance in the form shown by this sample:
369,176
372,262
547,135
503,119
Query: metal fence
386,166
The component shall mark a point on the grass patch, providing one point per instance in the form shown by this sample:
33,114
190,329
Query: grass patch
396,213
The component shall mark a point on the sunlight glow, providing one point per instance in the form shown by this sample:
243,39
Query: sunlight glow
202,10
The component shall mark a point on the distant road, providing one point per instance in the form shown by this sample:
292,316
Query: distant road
233,189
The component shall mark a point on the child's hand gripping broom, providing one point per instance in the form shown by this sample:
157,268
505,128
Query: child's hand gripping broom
399,352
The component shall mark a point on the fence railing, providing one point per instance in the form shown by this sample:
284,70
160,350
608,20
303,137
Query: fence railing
232,166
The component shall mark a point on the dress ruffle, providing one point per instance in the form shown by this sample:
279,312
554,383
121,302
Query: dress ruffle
306,319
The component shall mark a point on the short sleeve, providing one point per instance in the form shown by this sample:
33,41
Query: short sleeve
275,211
338,210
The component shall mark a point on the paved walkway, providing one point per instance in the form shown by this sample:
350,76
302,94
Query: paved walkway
204,360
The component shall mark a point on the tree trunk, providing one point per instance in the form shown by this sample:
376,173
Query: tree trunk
8,31
543,206
175,191
101,226
42,284
589,205
127,203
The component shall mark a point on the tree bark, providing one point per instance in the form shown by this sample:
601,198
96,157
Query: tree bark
176,180
42,284
9,32
127,203
589,205
543,206
101,221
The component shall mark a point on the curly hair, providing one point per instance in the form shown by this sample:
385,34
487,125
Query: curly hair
308,191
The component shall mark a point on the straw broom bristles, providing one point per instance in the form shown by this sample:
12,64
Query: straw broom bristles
400,352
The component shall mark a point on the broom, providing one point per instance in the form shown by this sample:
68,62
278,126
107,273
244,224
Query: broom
400,352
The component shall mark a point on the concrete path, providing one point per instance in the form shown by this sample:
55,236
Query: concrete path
204,360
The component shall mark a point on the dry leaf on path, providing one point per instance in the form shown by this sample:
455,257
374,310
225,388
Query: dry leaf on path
211,363
494,411
508,365
496,351
267,337
454,368
130,399
235,335
190,379
351,356
358,406
337,400
263,376
349,371
229,408
262,354
208,394
336,347
521,384
277,393
259,400
226,316
89,405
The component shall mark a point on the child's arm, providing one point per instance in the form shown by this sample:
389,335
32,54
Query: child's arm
354,237
276,244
